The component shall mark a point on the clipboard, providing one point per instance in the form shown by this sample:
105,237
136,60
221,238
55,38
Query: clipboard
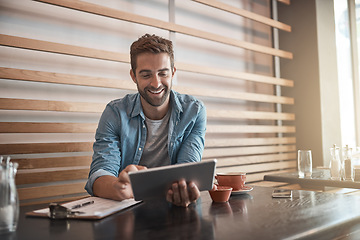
100,208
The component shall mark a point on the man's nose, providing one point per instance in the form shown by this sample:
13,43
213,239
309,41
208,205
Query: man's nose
155,82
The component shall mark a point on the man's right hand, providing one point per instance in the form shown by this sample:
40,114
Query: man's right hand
116,188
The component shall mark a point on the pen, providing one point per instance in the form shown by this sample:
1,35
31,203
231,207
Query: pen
82,205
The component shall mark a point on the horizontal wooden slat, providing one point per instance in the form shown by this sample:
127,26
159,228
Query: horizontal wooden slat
39,45
246,160
246,14
51,176
236,151
50,191
126,16
231,142
61,78
256,97
28,148
45,105
34,163
233,74
45,127
249,129
233,114
263,167
29,75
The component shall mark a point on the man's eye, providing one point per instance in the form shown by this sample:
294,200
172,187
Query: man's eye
145,76
163,74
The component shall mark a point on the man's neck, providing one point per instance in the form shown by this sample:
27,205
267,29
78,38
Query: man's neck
155,113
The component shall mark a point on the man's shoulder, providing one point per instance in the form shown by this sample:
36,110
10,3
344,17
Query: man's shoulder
185,99
125,105
128,99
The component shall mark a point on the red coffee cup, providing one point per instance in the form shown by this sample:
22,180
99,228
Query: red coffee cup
220,193
236,180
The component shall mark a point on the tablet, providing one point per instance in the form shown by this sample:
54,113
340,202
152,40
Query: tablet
155,182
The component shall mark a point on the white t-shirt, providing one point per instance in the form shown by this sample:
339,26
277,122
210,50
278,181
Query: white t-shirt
155,153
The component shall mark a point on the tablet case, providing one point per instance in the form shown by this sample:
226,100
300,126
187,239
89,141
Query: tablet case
155,182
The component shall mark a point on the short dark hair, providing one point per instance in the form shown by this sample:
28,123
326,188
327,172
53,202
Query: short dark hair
152,44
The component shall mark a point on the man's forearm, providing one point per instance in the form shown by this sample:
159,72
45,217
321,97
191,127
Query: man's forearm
108,187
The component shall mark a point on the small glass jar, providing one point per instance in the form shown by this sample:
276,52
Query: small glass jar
335,164
347,159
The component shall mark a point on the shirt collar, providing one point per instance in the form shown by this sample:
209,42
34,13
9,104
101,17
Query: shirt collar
175,102
136,107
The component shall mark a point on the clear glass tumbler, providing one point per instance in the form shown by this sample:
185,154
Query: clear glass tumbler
9,203
304,163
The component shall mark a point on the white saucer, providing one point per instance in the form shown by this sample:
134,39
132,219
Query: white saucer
242,191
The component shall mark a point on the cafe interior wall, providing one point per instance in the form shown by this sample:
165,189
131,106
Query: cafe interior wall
314,71
36,20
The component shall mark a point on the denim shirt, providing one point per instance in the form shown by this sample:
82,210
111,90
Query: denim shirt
121,134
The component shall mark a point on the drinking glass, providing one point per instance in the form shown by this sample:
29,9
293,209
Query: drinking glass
304,163
9,203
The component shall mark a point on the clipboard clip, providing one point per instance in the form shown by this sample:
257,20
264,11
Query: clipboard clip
57,211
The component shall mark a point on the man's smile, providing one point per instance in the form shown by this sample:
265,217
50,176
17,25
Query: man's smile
156,91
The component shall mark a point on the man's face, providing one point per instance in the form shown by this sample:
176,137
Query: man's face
153,78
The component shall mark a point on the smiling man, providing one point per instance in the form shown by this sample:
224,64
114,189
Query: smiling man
154,127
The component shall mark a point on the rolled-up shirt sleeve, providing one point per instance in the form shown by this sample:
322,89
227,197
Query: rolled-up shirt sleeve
93,177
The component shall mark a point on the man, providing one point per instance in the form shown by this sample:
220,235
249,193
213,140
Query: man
154,127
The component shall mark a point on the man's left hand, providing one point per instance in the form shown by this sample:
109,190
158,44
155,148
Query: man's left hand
182,194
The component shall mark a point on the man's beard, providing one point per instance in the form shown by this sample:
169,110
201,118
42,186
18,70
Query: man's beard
155,102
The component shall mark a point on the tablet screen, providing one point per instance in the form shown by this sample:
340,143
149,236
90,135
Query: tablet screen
155,182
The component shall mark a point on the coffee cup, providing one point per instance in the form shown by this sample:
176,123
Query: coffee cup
220,193
236,180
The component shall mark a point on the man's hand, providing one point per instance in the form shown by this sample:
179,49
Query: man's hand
116,188
182,194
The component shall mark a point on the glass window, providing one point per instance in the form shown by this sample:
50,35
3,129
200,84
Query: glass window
345,72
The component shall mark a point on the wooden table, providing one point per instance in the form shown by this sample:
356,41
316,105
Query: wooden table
308,215
320,178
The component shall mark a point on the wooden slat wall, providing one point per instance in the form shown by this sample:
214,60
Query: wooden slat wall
48,133
121,15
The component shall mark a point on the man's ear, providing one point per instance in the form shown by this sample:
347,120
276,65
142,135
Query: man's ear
174,71
132,74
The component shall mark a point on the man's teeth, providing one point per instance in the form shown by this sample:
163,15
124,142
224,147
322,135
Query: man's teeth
156,92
